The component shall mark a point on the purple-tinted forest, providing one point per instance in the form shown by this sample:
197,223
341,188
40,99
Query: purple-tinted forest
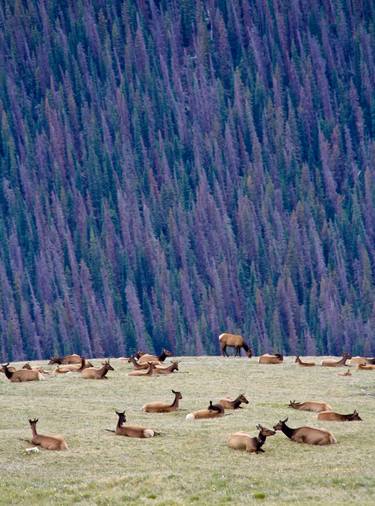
174,169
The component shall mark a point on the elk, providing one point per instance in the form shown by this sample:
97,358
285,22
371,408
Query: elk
366,367
62,369
136,365
330,416
22,375
346,373
277,358
304,364
160,407
166,370
308,435
310,406
67,359
150,371
213,411
97,373
47,442
38,368
235,404
131,430
329,362
153,358
362,360
243,441
233,341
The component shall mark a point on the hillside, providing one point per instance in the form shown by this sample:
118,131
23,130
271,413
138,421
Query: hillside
173,169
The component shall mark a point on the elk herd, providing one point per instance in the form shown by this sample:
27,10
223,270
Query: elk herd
149,365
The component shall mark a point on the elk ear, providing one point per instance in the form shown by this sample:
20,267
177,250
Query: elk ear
259,427
173,391
284,421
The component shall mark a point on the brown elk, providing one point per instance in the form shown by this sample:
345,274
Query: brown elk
308,435
330,416
22,375
213,411
153,358
47,442
362,360
131,430
310,406
277,358
160,407
67,359
97,373
35,368
329,362
233,341
367,367
304,364
136,365
62,369
235,404
243,440
150,371
166,370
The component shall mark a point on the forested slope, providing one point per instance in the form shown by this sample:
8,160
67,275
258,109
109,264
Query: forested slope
174,169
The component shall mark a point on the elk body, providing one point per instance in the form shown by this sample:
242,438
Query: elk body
97,373
67,359
304,364
243,440
277,358
233,341
310,406
308,435
150,371
62,369
160,407
22,375
131,430
47,442
213,411
362,361
233,404
366,367
138,366
329,362
166,370
154,358
35,368
331,416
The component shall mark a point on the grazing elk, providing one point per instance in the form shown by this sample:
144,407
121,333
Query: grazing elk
97,373
243,440
160,407
329,362
22,375
131,430
150,371
308,435
277,358
166,370
235,404
330,416
67,359
47,442
304,364
153,358
233,341
310,406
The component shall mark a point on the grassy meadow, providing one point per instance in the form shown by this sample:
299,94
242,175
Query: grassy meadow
190,462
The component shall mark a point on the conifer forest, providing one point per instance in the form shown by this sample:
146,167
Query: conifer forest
174,169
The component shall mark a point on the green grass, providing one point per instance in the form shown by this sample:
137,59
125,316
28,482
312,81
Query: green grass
190,462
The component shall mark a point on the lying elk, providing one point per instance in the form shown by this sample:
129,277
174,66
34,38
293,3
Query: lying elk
310,406
160,407
150,371
304,364
243,441
153,358
137,366
329,362
22,375
277,358
62,369
362,361
35,368
235,404
346,373
47,442
166,370
330,416
308,435
67,359
366,367
131,430
233,341
97,373
213,411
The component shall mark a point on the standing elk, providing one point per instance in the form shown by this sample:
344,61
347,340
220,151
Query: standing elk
233,341
47,442
243,440
308,435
